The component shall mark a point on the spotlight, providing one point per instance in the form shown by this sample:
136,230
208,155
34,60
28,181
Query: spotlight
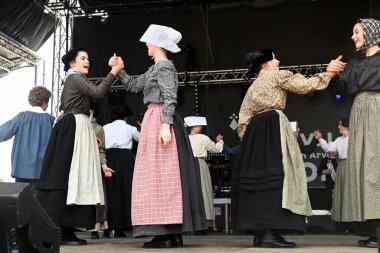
338,97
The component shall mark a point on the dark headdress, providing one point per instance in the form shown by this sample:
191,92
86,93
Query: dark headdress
371,32
70,56
256,58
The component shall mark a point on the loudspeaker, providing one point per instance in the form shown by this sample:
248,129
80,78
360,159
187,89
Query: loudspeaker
24,224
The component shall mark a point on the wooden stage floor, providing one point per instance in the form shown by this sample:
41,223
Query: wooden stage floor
313,243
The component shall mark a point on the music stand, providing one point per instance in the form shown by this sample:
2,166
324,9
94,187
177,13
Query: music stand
218,159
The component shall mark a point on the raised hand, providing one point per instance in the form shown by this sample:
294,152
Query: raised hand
113,60
317,134
335,66
219,137
119,64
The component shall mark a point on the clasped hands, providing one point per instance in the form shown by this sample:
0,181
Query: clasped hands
116,63
114,60
335,66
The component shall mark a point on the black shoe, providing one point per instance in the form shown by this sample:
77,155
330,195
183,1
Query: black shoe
257,241
106,233
159,241
370,243
272,239
176,240
94,235
119,233
71,239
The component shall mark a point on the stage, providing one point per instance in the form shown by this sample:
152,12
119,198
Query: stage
316,243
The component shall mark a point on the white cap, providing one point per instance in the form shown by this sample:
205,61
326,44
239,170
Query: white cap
162,36
195,121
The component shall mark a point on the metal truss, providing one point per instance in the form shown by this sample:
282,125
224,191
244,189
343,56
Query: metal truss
230,76
24,57
62,43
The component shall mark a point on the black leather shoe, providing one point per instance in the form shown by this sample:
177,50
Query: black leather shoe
257,241
119,233
370,243
272,239
176,240
71,239
94,235
159,241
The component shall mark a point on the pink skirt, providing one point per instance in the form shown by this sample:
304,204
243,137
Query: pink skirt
156,187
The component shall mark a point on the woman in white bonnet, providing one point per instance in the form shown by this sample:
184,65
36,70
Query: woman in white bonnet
166,194
201,144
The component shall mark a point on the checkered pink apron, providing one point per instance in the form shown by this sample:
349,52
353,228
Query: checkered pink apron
156,187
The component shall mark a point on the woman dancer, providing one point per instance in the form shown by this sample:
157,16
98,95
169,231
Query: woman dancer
71,182
201,144
166,193
361,78
269,191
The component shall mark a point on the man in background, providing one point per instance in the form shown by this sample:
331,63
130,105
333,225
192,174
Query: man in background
31,130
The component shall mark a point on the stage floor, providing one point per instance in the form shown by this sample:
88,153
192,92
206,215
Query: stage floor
313,243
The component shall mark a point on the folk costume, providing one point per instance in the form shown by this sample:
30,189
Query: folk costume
339,145
166,193
71,182
200,144
361,78
269,186
119,136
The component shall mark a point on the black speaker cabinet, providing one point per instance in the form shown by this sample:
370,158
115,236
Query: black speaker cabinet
24,224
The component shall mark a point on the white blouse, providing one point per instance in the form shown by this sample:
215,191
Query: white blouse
119,134
201,143
339,145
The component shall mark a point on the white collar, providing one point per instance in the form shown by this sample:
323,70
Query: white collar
37,109
119,121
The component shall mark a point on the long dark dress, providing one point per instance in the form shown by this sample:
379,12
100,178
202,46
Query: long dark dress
159,85
119,188
361,189
54,181
257,194
268,182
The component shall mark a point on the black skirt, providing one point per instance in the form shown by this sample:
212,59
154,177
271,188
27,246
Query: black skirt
119,188
257,180
194,216
53,184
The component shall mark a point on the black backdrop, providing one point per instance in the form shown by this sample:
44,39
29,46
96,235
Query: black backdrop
298,32
26,22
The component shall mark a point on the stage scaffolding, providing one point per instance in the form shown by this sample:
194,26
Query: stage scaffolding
66,10
62,43
19,56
